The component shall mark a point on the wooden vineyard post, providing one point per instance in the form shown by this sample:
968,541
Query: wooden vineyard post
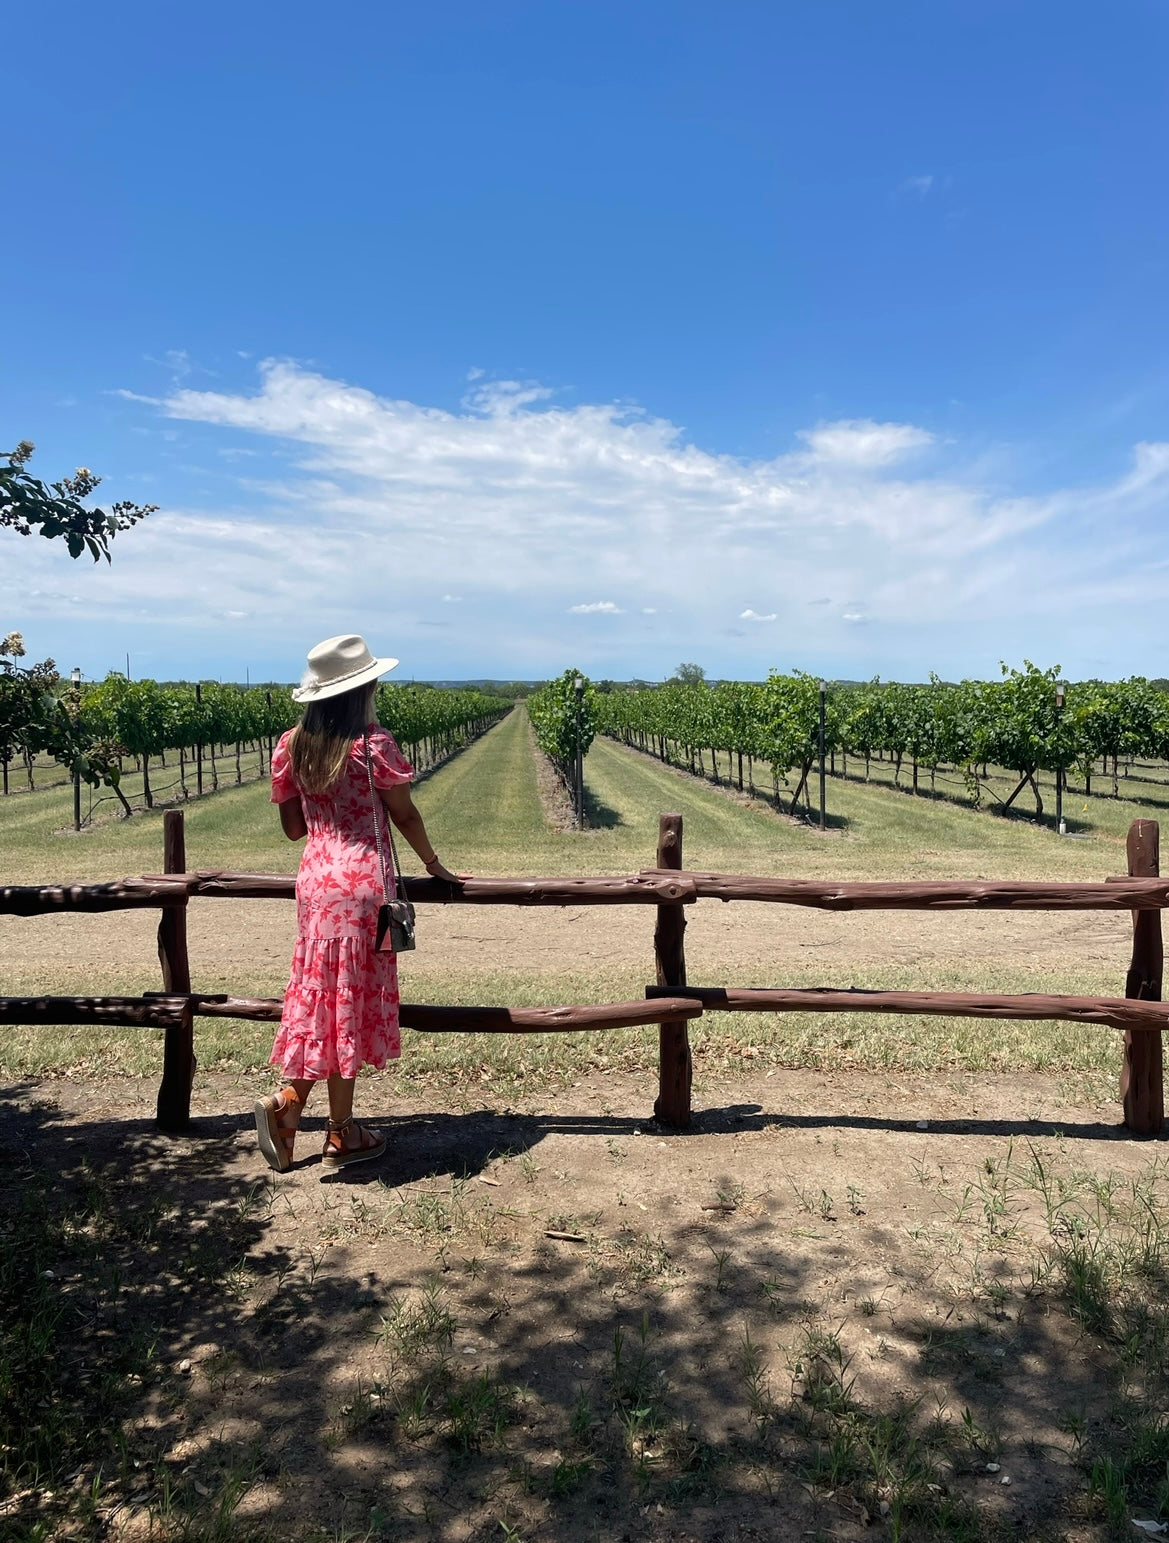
178,1058
1141,1085
675,1069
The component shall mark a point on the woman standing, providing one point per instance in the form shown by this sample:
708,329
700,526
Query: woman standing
341,1007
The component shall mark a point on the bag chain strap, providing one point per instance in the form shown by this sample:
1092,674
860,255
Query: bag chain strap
377,827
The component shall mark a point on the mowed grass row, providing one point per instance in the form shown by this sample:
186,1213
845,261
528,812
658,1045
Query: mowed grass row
484,813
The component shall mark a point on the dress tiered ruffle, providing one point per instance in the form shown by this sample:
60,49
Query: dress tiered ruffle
340,1010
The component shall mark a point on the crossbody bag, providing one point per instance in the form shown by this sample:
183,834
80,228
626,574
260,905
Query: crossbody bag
395,918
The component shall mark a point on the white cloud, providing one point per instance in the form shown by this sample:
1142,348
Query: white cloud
862,443
920,186
452,599
749,615
522,504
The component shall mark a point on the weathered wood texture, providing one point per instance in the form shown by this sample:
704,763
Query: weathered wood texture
166,1010
675,1065
117,1012
159,889
1142,1092
932,895
118,895
545,1020
172,925
173,1110
1114,1012
653,886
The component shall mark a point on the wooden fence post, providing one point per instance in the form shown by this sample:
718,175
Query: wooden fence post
178,1057
1141,1085
173,1111
675,1069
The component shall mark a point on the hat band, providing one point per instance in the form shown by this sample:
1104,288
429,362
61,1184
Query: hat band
315,685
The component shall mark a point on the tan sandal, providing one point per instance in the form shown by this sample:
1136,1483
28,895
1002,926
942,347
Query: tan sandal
341,1149
277,1121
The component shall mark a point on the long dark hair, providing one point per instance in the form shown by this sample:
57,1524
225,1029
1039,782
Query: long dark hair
319,746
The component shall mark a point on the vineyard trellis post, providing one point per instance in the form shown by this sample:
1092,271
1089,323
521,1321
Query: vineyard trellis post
675,1066
1141,1087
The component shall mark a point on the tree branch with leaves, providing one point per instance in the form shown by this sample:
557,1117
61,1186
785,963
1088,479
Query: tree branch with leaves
58,510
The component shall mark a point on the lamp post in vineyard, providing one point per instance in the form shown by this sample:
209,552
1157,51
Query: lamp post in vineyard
578,688
1060,694
823,700
75,677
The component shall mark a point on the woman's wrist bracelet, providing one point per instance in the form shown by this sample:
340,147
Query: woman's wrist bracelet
432,863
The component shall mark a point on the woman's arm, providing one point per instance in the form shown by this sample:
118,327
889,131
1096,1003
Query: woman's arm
292,819
405,816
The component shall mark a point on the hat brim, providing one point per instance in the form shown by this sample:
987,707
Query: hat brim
330,688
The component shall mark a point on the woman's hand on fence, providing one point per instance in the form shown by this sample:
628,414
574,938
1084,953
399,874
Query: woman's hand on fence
441,871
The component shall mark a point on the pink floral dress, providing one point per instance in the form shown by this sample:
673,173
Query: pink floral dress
341,1006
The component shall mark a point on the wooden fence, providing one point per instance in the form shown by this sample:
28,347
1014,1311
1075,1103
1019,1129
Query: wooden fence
671,1003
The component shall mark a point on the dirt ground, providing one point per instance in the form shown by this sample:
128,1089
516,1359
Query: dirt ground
554,1320
237,940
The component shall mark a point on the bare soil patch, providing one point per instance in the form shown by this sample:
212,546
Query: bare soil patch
825,1311
234,940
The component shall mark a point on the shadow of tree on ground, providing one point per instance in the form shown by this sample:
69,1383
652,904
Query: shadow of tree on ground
561,1326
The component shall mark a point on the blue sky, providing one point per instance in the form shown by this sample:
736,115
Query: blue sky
516,336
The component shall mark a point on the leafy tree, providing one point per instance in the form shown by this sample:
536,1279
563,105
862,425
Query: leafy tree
688,675
38,713
57,509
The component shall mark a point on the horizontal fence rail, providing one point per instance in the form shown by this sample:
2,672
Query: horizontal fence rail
670,1004
1120,894
1112,1012
172,889
160,1010
650,887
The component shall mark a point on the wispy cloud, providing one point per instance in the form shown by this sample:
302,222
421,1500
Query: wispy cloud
750,615
522,505
862,443
918,187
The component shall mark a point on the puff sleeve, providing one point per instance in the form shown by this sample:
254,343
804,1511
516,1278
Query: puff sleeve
390,766
283,785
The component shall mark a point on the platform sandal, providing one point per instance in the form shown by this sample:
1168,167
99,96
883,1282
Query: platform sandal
277,1120
347,1142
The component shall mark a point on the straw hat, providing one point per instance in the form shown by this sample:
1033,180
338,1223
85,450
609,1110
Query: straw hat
338,665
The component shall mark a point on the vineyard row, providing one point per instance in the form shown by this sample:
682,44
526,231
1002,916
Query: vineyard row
1027,722
93,729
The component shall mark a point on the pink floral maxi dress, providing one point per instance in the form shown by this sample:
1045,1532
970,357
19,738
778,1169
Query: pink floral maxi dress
341,1006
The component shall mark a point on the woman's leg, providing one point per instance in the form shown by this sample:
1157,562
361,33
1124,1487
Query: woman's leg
277,1121
347,1141
340,1097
